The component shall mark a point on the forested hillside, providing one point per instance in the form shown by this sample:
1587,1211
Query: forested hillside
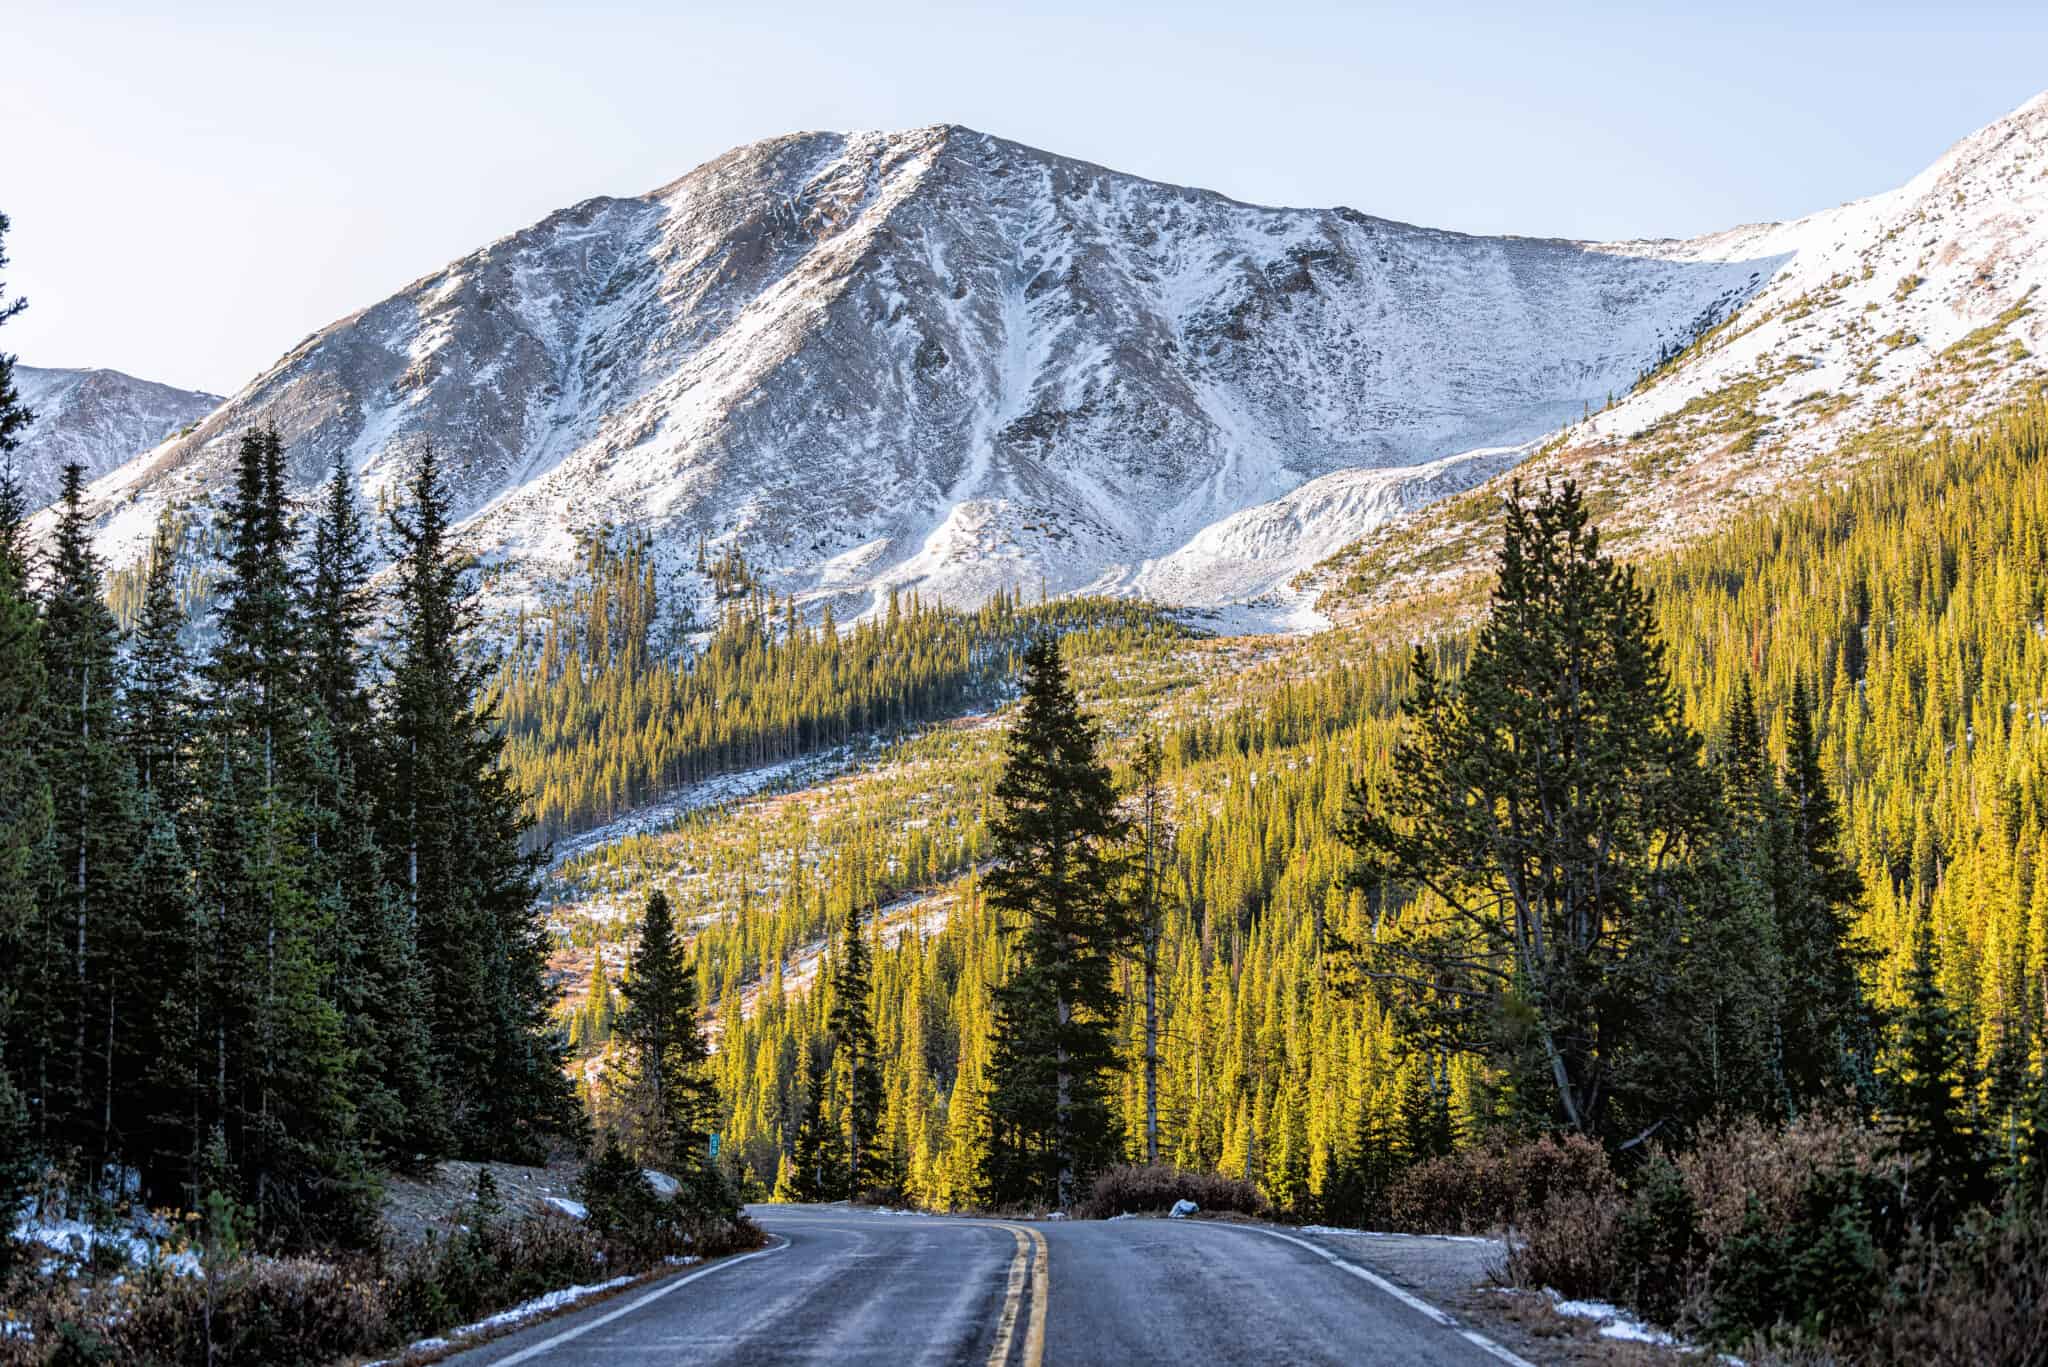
602,719
1907,605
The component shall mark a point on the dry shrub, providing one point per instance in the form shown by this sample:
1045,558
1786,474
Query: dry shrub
302,1310
1493,1185
267,1311
1979,1298
1568,1243
1133,1188
1736,1162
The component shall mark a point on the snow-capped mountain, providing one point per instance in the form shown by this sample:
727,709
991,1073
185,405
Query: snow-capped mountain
97,418
1921,306
936,358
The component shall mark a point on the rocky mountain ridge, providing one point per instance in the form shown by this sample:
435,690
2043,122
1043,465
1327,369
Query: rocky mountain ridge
97,418
939,360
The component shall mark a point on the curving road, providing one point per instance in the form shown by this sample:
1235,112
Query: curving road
846,1286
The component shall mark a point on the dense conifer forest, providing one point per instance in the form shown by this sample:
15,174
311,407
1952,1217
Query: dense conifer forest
1860,677
1751,833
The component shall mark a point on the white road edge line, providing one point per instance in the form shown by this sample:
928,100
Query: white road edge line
528,1354
1407,1298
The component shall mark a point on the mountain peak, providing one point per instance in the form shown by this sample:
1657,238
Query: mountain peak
934,358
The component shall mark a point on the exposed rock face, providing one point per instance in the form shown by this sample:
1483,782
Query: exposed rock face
936,358
1919,307
97,418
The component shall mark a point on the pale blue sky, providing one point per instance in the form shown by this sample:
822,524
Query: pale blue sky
197,186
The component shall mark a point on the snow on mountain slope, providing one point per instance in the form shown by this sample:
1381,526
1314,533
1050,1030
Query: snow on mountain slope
936,358
1925,305
97,418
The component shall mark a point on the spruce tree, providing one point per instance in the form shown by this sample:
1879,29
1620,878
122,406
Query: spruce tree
856,1072
158,721
813,1154
673,1098
1054,841
1931,1094
24,795
377,985
1149,910
14,420
93,972
339,608
278,1066
160,706
451,826
1830,1032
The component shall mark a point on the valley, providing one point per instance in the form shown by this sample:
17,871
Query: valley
903,670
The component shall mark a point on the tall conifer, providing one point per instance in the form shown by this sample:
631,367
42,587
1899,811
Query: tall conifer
451,825
665,1048
24,793
1054,843
856,1071
91,961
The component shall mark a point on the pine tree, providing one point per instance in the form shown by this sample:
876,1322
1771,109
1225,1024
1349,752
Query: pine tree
673,1097
856,1072
1540,819
1053,882
451,825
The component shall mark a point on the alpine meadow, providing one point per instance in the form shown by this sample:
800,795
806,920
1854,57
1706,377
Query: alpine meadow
909,748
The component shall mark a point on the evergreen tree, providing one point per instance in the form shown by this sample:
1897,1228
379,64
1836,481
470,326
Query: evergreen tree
279,1064
378,985
1829,1049
857,1074
14,420
160,715
451,823
1151,922
91,969
158,725
1932,1084
24,795
814,1161
1053,882
1735,1044
338,611
1541,817
673,1098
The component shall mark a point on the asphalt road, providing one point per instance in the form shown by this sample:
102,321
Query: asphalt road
854,1287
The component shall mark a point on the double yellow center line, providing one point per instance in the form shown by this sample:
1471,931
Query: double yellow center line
1028,1274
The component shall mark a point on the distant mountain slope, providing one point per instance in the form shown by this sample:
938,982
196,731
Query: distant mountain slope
98,418
937,358
1918,307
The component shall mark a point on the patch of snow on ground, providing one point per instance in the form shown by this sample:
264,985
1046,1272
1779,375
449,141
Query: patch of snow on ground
519,1314
575,1210
141,1243
711,792
1614,1322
